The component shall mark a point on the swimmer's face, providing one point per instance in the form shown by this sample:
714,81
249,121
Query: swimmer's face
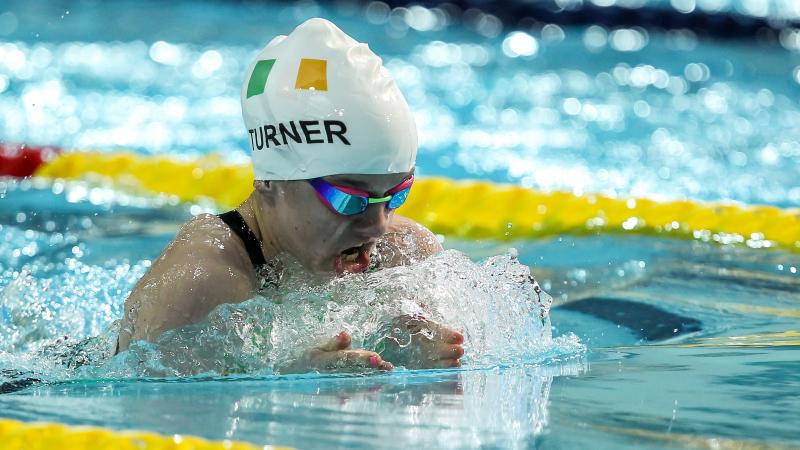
322,240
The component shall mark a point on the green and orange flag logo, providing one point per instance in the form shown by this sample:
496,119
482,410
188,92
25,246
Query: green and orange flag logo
311,75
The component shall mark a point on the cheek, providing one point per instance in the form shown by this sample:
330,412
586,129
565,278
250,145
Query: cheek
312,231
315,228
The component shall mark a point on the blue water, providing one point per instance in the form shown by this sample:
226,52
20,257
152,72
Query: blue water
687,344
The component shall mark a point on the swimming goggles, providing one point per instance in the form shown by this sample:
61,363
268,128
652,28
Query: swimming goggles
348,201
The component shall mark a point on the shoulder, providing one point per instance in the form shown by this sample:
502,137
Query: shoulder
210,257
206,239
203,229
200,269
407,242
415,234
205,256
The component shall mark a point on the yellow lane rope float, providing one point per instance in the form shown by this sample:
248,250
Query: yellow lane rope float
15,435
465,209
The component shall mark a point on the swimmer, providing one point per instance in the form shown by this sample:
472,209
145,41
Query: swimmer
333,148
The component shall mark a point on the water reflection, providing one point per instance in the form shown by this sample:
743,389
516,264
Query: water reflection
497,408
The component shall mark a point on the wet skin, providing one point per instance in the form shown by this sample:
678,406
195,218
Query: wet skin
207,265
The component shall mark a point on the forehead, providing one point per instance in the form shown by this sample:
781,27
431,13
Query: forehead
374,184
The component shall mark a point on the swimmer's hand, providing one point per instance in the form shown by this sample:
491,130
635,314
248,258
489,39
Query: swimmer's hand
335,355
418,343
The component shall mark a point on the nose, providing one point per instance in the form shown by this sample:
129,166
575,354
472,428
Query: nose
374,222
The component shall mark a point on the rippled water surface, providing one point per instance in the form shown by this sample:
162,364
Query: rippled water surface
662,344
657,343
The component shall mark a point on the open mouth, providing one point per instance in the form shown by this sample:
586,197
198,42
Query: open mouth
353,260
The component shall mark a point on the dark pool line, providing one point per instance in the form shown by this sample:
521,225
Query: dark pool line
725,25
649,322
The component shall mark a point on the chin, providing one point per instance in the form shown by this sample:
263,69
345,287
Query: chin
321,266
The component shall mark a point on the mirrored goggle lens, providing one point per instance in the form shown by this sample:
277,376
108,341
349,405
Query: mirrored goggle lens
345,203
398,198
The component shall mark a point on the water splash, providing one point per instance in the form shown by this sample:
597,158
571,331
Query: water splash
494,304
46,320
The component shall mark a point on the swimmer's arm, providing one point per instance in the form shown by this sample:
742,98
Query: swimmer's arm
182,286
181,295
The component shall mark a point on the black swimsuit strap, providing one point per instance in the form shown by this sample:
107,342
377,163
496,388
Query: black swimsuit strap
236,222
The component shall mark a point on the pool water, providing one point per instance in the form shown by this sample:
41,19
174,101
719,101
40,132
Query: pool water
659,343
734,378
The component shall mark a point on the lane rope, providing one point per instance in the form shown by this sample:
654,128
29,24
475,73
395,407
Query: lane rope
464,209
15,435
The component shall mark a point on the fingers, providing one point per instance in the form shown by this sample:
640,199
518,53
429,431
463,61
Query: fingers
339,342
455,338
374,360
414,325
353,359
446,333
335,354
454,351
385,366
344,340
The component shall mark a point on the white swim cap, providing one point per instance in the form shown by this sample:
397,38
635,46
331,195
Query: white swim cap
318,103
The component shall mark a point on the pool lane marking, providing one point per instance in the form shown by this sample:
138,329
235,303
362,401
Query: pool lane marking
465,209
16,435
